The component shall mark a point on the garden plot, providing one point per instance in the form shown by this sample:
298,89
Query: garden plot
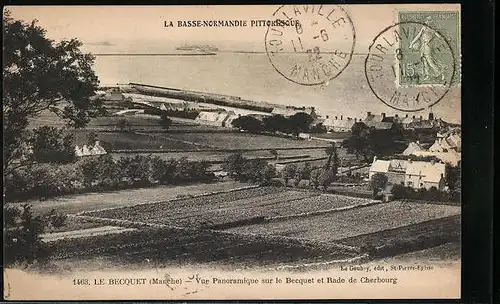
444,228
179,246
353,222
211,209
129,197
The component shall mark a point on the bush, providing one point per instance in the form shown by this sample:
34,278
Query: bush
433,194
51,145
101,173
22,242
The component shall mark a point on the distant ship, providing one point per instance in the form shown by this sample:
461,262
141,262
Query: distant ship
203,48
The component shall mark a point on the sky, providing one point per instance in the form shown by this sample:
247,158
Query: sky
106,28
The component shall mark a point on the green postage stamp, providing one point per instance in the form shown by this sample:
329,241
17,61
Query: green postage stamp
430,49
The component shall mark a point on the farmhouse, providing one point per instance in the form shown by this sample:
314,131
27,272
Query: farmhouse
415,174
425,175
394,169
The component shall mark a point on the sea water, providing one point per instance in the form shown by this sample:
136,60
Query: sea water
251,76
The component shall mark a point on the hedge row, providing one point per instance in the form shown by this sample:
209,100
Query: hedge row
101,173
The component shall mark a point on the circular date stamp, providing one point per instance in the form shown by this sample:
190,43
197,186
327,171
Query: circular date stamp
316,49
410,66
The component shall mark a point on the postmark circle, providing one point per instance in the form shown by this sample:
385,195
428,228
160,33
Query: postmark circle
316,49
410,66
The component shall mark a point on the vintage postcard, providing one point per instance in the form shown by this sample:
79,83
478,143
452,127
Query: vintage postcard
232,152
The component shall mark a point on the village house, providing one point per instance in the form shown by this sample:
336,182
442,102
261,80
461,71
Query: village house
85,150
213,118
447,142
451,156
415,174
412,148
425,175
291,110
334,124
379,122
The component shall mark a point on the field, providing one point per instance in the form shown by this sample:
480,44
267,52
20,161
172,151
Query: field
246,227
93,201
349,223
247,141
163,247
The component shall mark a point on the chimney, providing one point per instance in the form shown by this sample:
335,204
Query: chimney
336,117
383,115
431,116
355,119
374,158
341,116
406,116
369,113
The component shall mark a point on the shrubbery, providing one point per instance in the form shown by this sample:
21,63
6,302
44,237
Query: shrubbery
22,241
432,194
101,173
249,170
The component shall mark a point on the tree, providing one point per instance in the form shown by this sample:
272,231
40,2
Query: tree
453,177
314,178
378,183
302,172
318,128
42,75
288,172
360,141
332,162
92,138
326,177
277,123
50,145
300,122
233,164
22,241
248,123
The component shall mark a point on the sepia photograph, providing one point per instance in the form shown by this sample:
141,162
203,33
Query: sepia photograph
232,152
